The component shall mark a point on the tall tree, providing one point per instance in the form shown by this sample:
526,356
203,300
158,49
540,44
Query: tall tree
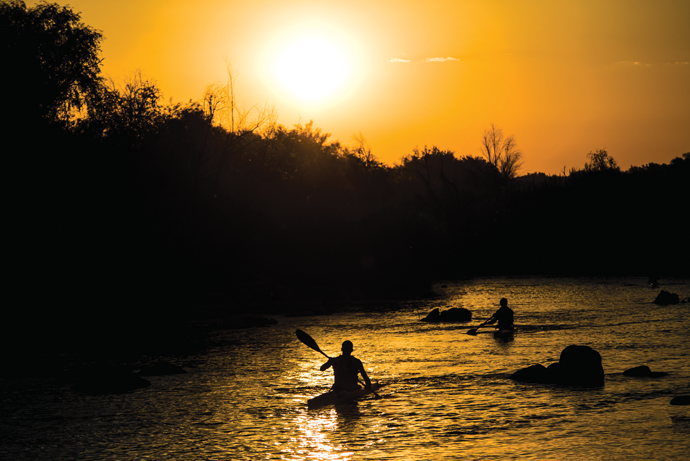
50,61
501,151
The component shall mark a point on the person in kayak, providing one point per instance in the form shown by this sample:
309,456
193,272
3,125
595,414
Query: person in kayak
504,316
346,368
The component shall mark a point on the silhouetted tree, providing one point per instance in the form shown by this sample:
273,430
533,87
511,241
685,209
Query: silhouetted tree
126,114
460,192
684,160
429,167
362,151
50,61
600,160
501,152
221,106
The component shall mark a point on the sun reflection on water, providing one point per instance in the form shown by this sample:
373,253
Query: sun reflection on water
316,430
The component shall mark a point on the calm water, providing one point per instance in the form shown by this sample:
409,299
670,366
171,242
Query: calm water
448,395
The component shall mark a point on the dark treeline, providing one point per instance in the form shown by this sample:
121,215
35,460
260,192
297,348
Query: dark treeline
120,199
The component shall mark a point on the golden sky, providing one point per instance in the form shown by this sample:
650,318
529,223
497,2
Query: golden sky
563,77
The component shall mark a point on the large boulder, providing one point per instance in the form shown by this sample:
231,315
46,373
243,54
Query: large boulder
664,298
581,365
109,380
577,366
454,314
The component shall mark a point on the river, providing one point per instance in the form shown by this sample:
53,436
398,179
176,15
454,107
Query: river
446,395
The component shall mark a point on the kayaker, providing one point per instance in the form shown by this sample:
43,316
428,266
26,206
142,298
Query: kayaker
346,368
504,316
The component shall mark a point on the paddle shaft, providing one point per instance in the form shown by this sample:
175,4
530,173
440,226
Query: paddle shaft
309,342
473,331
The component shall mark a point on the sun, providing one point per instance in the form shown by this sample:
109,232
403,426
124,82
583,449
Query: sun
313,65
312,68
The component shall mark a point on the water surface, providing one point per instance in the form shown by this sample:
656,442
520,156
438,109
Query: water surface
447,396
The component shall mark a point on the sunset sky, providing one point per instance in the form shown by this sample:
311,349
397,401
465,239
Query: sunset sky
564,77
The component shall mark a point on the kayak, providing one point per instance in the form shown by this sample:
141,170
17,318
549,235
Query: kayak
506,333
338,397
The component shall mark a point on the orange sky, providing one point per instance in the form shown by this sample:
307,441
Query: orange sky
564,78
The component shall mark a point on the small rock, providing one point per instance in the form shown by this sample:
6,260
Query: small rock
434,316
681,400
532,374
643,371
454,314
665,298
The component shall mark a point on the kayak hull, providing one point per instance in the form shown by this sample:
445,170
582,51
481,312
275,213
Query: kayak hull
340,397
506,333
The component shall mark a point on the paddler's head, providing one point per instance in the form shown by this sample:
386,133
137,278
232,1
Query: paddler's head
504,302
347,347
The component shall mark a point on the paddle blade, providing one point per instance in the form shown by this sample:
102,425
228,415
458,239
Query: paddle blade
473,331
308,341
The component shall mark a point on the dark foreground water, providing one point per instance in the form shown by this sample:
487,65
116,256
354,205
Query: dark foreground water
448,394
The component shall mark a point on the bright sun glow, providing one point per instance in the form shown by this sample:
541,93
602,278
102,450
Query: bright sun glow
312,68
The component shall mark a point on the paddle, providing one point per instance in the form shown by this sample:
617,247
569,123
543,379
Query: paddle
473,331
309,341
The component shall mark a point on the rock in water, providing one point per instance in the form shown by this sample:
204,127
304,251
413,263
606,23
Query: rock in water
664,298
581,365
578,365
434,316
532,374
454,314
643,371
681,400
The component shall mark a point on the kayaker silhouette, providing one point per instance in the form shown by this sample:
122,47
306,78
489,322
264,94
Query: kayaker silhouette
504,316
346,368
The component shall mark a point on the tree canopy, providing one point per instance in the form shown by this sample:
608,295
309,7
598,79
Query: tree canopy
51,62
600,160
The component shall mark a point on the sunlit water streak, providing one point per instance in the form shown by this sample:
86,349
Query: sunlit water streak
448,394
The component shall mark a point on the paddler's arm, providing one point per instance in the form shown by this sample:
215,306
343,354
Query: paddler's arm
367,382
326,365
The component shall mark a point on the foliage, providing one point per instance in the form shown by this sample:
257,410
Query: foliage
600,160
445,182
51,63
127,114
